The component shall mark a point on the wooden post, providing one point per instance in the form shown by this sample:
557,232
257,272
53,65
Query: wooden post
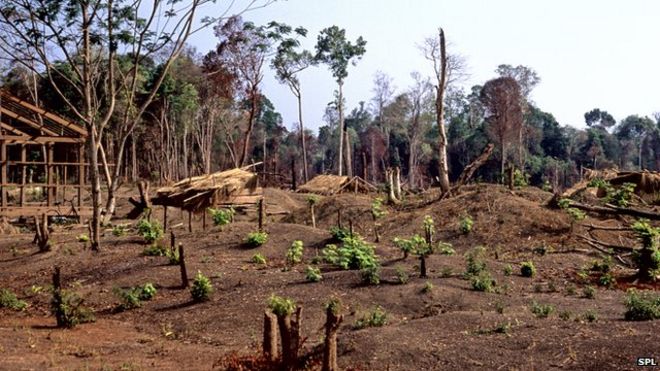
23,175
294,178
311,211
182,266
172,242
3,173
261,214
364,166
165,217
332,322
64,175
81,174
49,175
338,218
204,220
57,296
189,221
270,348
511,178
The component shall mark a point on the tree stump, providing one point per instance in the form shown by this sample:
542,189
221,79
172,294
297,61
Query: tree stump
332,322
271,351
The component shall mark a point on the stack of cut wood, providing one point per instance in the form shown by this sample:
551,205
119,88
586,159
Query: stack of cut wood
333,184
236,187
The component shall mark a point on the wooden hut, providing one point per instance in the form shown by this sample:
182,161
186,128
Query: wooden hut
42,168
332,184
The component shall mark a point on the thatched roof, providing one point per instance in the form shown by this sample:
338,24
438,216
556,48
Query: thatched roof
235,187
332,184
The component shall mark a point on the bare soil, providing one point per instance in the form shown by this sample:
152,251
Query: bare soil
452,327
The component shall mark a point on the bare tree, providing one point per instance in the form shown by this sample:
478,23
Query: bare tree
420,99
383,91
447,68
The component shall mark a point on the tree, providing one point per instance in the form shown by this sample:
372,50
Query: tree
599,119
637,130
502,99
333,49
288,63
383,91
447,68
419,99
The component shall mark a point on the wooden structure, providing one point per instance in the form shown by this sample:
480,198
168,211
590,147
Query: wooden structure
236,187
42,168
332,184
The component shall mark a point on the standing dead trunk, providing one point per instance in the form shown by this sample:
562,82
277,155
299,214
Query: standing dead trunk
41,233
332,322
340,107
311,211
440,116
302,139
397,183
290,337
270,346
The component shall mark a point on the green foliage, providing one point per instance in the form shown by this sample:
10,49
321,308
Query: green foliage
173,256
428,225
571,290
149,230
338,234
474,262
354,253
412,245
599,183
333,49
202,288
576,214
565,315
118,231
334,304
281,306
371,274
313,274
622,195
642,306
520,179
648,257
68,309
9,300
603,266
133,297
377,317
607,280
221,216
466,224
445,248
483,282
546,186
646,233
312,200
401,275
256,239
508,270
377,211
527,269
427,288
589,292
591,315
294,254
259,259
82,238
155,250
541,310
564,203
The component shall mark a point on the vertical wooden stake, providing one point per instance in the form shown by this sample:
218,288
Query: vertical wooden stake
189,221
511,170
165,218
261,214
57,296
204,221
172,241
339,218
182,266
294,177
364,166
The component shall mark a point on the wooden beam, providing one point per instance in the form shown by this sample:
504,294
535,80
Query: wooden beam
23,175
19,139
3,172
27,121
14,211
43,112
13,130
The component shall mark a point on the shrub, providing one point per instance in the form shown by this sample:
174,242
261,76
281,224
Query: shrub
312,200
607,280
256,239
9,300
648,257
445,248
576,214
427,288
622,195
541,310
221,216
546,186
527,269
370,275
565,315
202,288
401,275
339,233
589,292
313,274
354,253
149,230
377,211
508,270
571,290
377,317
155,250
82,238
483,282
294,254
604,265
68,309
133,297
466,224
281,306
408,246
259,259
474,262
642,306
591,315
520,179
118,231
173,256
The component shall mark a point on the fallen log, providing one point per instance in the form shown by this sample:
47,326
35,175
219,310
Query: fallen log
469,171
615,210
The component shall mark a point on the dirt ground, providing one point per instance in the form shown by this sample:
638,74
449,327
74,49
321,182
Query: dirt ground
452,327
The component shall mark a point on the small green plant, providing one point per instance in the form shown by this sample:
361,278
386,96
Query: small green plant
571,290
370,275
408,246
565,315
591,315
508,270
427,288
401,275
9,300
607,280
527,269
483,282
377,211
119,230
589,292
201,289
648,257
576,214
155,250
446,272
149,230
256,239
642,306
294,254
339,233
474,262
546,186
312,200
604,265
377,317
313,274
68,309
133,297
354,253
445,248
541,310
221,216
466,224
259,259
82,238
281,306
499,307
520,179
599,183
622,195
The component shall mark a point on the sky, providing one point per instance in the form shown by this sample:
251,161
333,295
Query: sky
588,53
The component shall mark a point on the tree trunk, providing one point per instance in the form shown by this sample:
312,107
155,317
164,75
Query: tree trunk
248,132
440,118
332,323
340,106
302,139
290,337
270,348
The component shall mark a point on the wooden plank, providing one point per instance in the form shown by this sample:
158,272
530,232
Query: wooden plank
78,129
50,199
15,211
14,130
26,121
3,172
23,174
81,172
18,139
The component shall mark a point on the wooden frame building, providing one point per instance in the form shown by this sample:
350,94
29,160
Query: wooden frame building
42,168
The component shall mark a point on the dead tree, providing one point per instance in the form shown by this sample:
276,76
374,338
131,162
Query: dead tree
270,348
290,337
332,323
143,204
182,267
42,235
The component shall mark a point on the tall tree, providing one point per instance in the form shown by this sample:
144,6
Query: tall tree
639,131
333,49
447,68
502,99
288,63
599,119
383,91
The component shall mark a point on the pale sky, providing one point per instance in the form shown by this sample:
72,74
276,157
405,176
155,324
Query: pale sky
588,53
